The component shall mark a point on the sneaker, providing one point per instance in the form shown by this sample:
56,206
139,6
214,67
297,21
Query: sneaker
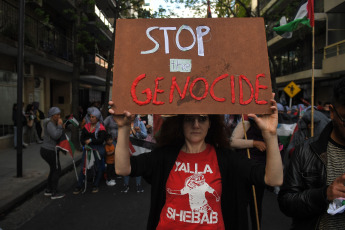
111,182
48,192
139,188
95,189
39,142
125,188
77,190
57,196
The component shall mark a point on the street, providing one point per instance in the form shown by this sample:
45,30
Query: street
108,209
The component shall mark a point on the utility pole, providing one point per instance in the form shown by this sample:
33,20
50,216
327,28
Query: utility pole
20,61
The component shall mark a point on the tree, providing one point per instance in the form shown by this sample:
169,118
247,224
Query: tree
125,9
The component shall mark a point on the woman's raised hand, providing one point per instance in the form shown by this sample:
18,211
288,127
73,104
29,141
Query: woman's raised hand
268,123
122,120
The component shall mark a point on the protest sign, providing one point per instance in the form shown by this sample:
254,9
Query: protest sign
191,66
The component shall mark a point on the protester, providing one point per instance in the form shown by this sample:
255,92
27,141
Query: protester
138,130
31,126
303,129
14,119
111,127
315,176
53,129
92,137
257,148
110,156
193,158
39,116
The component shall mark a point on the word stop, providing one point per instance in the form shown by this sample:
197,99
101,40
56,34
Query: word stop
201,31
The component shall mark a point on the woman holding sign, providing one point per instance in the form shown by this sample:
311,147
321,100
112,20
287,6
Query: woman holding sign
197,181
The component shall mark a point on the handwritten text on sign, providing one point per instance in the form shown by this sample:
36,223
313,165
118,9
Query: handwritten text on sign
191,66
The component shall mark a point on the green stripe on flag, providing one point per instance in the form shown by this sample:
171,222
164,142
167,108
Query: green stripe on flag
291,26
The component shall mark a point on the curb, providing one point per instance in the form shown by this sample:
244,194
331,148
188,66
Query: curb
5,209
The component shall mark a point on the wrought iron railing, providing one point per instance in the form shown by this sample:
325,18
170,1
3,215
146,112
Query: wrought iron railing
37,35
333,50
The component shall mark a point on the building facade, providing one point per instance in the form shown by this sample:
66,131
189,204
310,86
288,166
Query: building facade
48,56
291,59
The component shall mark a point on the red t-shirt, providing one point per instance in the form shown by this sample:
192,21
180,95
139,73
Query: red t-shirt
193,192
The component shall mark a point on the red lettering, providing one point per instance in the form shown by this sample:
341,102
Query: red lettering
147,91
241,90
175,85
232,89
192,86
213,84
155,102
257,87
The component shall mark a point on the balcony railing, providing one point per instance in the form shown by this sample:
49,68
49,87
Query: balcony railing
335,49
37,35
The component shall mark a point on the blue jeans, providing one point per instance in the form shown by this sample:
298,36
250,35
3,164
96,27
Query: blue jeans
137,180
99,165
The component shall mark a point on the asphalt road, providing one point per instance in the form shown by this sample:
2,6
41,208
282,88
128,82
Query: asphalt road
108,209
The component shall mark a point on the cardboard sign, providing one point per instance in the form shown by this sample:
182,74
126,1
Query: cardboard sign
191,66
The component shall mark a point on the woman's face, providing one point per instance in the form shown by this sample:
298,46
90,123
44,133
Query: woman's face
56,117
93,119
195,128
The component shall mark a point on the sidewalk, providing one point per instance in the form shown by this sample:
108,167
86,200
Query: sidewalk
14,190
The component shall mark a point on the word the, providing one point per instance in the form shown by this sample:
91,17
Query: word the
193,217
188,169
201,31
180,65
207,90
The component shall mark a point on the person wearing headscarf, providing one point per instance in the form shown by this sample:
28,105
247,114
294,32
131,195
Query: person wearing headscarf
86,119
53,130
303,129
92,137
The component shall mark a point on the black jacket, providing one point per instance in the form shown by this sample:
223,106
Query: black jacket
237,172
303,195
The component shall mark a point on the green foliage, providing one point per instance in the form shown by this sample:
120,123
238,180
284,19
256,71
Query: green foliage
222,8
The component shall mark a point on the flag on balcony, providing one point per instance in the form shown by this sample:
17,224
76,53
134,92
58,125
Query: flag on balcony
304,16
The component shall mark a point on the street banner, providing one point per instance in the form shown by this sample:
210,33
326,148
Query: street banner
191,66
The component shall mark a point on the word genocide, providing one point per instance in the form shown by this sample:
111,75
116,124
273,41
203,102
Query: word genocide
189,86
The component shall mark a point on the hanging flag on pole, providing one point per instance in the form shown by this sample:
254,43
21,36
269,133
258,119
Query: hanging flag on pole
304,15
66,146
73,121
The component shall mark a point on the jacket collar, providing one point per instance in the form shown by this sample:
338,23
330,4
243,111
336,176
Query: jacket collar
319,146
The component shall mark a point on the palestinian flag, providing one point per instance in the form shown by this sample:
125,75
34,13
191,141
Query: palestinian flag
65,145
304,15
73,121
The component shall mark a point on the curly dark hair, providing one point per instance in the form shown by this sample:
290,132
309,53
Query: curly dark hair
171,132
339,93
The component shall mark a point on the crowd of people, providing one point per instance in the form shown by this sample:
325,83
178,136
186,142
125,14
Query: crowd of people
206,158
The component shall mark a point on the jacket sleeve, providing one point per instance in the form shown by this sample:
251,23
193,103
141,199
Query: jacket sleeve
303,194
54,131
142,165
100,138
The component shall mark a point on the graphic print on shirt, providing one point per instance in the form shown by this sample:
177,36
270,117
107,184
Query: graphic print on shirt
196,187
193,193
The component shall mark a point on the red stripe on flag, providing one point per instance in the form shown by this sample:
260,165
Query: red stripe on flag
310,8
131,148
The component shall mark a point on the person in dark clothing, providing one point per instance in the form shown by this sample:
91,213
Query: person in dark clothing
315,176
14,119
53,129
39,116
193,172
257,148
92,137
